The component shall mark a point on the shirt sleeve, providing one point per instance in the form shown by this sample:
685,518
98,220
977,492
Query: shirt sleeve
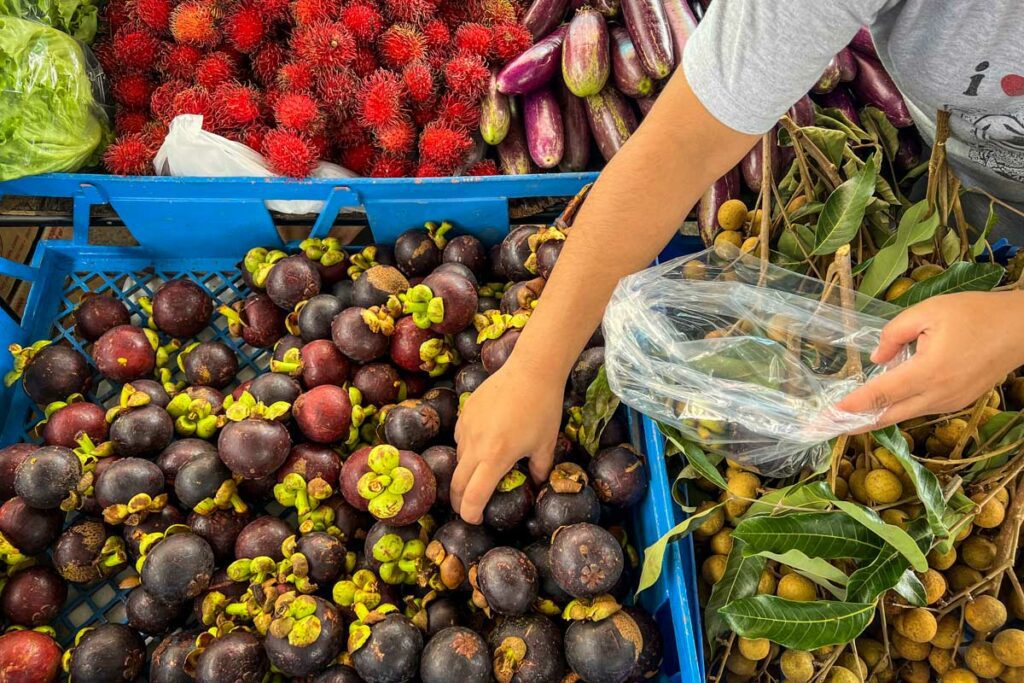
750,60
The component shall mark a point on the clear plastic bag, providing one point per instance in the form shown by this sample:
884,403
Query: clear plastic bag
748,367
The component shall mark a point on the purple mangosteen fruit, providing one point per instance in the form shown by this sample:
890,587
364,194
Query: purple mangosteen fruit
49,372
237,656
272,387
220,529
442,461
386,650
68,423
604,650
527,649
254,442
455,548
586,560
141,431
469,378
417,252
339,673
415,349
395,553
208,364
167,665
126,353
362,333
323,414
377,285
105,654
546,246
395,486
329,257
514,254
129,489
204,484
156,522
29,530
504,582
411,425
522,296
177,567
324,553
262,537
10,458
648,665
180,452
291,280
585,370
379,384
445,403
566,499
29,657
181,308
321,363
511,503
256,319
467,346
157,394
469,251
150,616
311,461
456,653
539,553
445,302
343,291
98,313
48,478
618,476
33,597
457,269
314,316
306,634
435,612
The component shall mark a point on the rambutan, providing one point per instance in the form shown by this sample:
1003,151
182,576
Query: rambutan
116,14
105,55
133,90
215,69
289,154
444,145
386,166
325,44
266,62
129,122
179,61
358,158
298,113
321,144
429,170
382,100
235,105
306,12
136,47
510,41
193,100
295,77
401,44
363,20
437,34
153,135
153,13
483,167
336,89
467,75
365,62
276,11
475,39
419,81
245,29
424,112
129,155
398,138
458,112
161,102
415,11
495,11
350,133
195,22
252,136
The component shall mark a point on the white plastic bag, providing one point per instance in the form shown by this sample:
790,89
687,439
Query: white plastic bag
188,150
745,368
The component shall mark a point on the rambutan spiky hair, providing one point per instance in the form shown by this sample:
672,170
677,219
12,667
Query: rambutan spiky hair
195,22
129,155
153,13
136,47
444,146
467,75
401,44
298,113
245,28
475,39
363,20
324,44
382,99
236,105
289,154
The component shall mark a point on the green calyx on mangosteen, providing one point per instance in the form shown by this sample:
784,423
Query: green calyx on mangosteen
394,486
129,489
49,372
258,262
85,552
194,417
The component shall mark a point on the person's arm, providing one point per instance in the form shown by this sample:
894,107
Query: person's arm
640,200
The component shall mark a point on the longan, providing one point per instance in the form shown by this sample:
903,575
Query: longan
714,568
898,288
919,625
729,237
797,666
979,552
840,674
712,524
871,651
1012,675
916,672
991,514
767,584
740,665
742,485
908,649
694,270
940,660
958,676
941,561
796,587
883,487
721,543
980,659
896,517
1008,647
848,660
886,459
934,586
1002,496
961,577
756,649
749,245
732,215
856,483
925,271
842,489
947,635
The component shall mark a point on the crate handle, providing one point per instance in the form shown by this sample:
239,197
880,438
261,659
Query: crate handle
341,196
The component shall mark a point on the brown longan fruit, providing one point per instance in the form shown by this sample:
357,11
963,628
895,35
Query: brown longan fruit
738,664
754,221
940,660
742,489
845,468
1012,675
840,674
767,583
982,661
842,489
883,487
871,651
714,568
964,532
848,660
1008,647
824,652
908,649
1016,605
797,666
896,517
961,577
856,483
947,635
991,513
732,215
934,586
941,561
721,543
749,245
919,625
712,524
979,552
950,432
756,649
886,459
916,672
729,237
796,587
899,286
694,270
1002,496
958,676
925,271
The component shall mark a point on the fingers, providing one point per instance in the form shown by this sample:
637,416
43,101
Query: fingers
541,461
479,491
896,385
905,410
460,479
901,330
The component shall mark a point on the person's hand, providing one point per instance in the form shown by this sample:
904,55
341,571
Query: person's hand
966,344
514,414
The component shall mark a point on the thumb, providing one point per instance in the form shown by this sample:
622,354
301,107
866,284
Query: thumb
900,331
541,462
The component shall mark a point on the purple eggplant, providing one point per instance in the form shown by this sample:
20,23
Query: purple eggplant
847,65
611,119
802,112
874,86
646,104
585,60
543,121
681,23
535,67
725,188
863,43
630,77
513,155
495,114
829,78
752,165
909,153
576,131
648,27
609,8
544,15
840,99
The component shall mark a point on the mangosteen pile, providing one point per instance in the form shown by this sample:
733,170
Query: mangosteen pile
297,525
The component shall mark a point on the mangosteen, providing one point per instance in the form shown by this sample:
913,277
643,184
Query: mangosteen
618,476
456,547
156,392
379,383
584,372
434,612
469,251
126,353
522,296
566,499
386,649
324,553
286,344
32,597
415,384
49,477
347,522
328,254
29,530
527,649
394,552
362,333
343,291
417,252
220,529
156,522
420,350
495,351
49,372
256,319
539,553
339,673
395,486
107,653
411,425
237,656
98,313
271,387
10,457
457,269
85,552
511,503
208,364
514,253
442,461
323,414
615,433
306,634
291,280
586,560
29,656
205,484
377,285
446,403
68,423
445,302
141,431
180,452
168,662
648,665
262,537
456,653
467,345
605,650
181,308
128,489
315,315
469,378
147,614
320,362
311,461
504,581
177,568
364,588
254,443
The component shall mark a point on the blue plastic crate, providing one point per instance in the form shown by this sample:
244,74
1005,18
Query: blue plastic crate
200,228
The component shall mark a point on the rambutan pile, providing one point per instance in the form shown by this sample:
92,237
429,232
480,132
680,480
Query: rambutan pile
387,88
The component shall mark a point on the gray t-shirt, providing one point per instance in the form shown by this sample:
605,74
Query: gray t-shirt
749,60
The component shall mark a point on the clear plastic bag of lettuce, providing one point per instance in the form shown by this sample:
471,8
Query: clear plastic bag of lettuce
746,361
77,18
51,101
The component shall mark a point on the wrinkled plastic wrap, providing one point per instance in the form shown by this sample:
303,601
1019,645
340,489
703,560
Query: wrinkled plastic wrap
748,369
77,18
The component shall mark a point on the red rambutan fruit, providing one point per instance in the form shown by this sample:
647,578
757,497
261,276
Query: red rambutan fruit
295,77
116,14
193,100
475,39
195,22
398,138
336,89
437,34
266,62
235,105
455,13
419,81
289,154
382,99
321,144
306,12
136,47
458,112
161,102
179,61
153,134
387,166
350,133
215,69
245,29
444,145
326,44
467,75
510,41
415,11
275,11
252,136
424,112
129,155
429,170
483,167
365,62
496,11
153,13
358,158
298,113
129,122
363,20
133,90
401,44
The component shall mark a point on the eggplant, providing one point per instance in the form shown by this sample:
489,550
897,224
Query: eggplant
752,165
802,112
646,104
543,120
648,27
840,99
681,24
535,67
495,113
630,77
611,119
874,86
722,190
585,60
576,131
863,43
847,65
544,15
609,8
513,156
909,153
829,78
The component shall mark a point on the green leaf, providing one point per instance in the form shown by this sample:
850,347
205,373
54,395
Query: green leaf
831,117
911,588
892,261
877,125
890,533
695,456
886,570
979,246
828,535
831,142
809,209
797,242
740,580
950,247
814,494
798,625
815,569
654,555
843,212
919,227
598,409
863,265
925,482
959,277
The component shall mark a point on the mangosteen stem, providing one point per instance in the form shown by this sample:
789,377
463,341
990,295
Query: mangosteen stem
362,262
22,358
290,363
231,313
130,397
425,308
437,232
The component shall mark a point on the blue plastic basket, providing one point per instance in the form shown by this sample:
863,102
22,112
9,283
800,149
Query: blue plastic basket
199,228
